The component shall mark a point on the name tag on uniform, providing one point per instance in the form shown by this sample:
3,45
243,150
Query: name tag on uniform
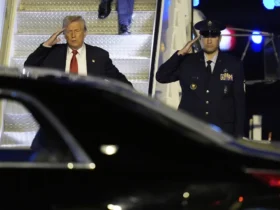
226,77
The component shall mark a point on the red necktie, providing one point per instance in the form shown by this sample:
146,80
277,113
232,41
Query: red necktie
74,63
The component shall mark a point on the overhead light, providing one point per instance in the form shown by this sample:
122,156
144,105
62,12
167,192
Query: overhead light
227,41
70,165
240,199
186,194
195,3
269,4
277,3
256,37
109,149
114,207
92,166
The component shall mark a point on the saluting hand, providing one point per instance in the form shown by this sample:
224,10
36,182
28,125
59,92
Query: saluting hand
54,39
188,47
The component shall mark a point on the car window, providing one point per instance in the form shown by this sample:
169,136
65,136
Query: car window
19,125
27,136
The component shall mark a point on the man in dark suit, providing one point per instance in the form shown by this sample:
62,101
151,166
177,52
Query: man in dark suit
212,81
75,56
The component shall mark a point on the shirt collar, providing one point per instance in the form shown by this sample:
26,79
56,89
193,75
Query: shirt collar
80,50
214,59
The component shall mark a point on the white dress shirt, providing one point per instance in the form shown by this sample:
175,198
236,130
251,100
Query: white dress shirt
81,58
214,60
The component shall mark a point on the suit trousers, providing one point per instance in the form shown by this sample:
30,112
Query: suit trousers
125,11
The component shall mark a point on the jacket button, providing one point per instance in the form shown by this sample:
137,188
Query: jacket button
207,102
206,113
207,91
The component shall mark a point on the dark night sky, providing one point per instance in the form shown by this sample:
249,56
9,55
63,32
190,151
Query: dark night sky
248,14
242,13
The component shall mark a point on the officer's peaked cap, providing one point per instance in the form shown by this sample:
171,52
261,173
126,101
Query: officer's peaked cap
209,27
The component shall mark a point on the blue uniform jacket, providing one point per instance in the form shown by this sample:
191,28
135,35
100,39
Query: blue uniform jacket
219,99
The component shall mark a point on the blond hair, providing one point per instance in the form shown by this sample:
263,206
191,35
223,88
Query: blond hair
70,19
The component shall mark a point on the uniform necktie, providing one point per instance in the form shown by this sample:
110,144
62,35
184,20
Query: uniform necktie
208,74
208,67
74,63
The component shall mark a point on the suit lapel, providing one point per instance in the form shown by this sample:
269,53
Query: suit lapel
91,67
222,87
218,65
61,57
88,57
201,59
202,75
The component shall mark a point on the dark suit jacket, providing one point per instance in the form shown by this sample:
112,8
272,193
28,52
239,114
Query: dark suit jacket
217,99
55,58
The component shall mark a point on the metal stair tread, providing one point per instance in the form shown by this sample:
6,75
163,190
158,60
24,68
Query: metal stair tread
15,147
17,138
121,45
80,12
140,68
88,5
21,122
132,36
49,22
113,58
94,39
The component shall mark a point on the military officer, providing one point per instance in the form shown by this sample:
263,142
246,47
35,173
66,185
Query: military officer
212,81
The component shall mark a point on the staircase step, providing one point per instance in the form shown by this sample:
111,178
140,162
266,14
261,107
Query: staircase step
17,138
78,5
20,122
142,86
49,22
119,46
140,70
15,108
18,118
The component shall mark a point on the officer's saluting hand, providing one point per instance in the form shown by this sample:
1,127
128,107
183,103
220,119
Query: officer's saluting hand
212,81
188,47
